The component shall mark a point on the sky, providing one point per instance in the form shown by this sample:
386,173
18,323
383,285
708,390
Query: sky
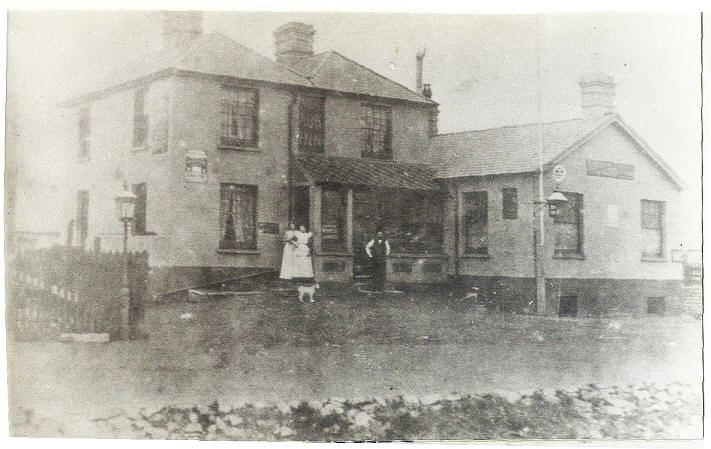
483,68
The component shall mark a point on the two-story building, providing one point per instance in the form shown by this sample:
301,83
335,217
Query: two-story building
224,146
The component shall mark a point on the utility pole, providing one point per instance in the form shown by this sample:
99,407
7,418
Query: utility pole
539,229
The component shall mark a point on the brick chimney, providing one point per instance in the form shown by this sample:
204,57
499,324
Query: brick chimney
597,91
293,41
180,27
419,57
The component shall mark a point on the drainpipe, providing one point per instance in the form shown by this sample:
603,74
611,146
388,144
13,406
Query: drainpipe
290,149
456,229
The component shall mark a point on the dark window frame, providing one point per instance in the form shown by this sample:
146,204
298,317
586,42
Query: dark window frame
161,129
231,109
84,132
472,202
312,124
140,209
574,200
82,216
659,227
233,189
509,203
338,244
376,122
140,118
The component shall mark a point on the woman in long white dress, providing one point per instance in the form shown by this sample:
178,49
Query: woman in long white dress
302,268
288,256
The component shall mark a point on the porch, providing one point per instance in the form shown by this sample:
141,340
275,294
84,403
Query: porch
345,200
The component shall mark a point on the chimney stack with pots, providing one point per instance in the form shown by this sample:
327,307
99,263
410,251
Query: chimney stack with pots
293,41
180,27
597,92
418,74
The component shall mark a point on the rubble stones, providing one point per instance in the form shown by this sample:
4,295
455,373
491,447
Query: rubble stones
643,411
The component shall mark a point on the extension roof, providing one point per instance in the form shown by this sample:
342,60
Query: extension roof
514,149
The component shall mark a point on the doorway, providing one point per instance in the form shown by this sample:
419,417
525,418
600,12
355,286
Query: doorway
366,216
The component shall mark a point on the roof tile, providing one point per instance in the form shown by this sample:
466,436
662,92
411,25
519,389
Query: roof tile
353,171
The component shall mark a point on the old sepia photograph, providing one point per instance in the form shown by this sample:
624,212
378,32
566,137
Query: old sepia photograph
353,227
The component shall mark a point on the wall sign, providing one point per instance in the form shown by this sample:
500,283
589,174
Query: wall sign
559,173
268,228
196,166
606,169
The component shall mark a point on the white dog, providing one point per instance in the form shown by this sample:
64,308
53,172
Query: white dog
310,290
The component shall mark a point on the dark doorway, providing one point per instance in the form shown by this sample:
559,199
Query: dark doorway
366,216
655,306
301,207
568,306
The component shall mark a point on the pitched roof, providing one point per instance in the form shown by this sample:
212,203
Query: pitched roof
514,149
331,70
217,54
352,171
212,53
509,149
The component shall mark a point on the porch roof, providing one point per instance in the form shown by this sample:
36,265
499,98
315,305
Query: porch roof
318,168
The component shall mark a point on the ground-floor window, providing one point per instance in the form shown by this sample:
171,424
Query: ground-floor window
238,216
652,220
476,222
411,220
568,306
655,306
82,216
568,226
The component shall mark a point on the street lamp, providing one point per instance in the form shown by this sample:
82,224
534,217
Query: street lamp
125,204
554,201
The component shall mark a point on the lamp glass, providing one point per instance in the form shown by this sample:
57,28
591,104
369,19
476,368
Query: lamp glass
125,205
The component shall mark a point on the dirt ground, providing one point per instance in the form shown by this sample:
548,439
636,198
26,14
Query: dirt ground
268,347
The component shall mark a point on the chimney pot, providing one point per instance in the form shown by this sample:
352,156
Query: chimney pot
597,91
427,91
293,41
180,27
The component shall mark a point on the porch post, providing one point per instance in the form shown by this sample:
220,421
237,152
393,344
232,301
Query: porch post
315,216
349,221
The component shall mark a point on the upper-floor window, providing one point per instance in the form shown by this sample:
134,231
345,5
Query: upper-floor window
84,132
238,216
240,117
140,119
568,223
159,127
652,218
509,203
476,222
377,131
311,124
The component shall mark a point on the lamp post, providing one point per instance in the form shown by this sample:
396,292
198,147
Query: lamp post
555,200
125,204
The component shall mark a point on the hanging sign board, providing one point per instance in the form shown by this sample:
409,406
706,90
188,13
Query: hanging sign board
268,228
196,166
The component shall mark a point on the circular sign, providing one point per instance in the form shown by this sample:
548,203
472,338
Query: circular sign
559,173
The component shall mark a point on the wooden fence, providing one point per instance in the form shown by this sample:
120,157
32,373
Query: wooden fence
58,290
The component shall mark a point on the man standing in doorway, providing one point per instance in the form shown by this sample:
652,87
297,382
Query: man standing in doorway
378,250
